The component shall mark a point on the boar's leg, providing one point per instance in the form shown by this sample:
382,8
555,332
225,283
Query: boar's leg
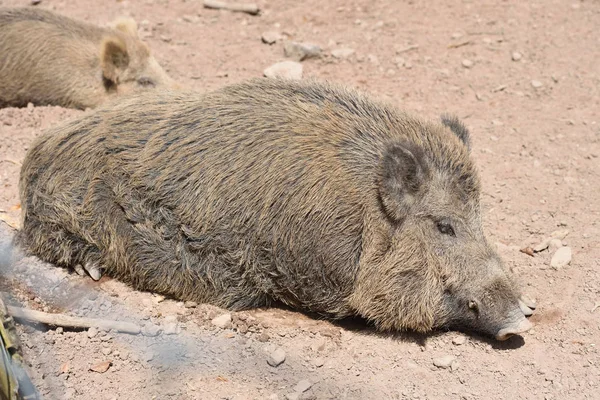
144,244
94,270
52,241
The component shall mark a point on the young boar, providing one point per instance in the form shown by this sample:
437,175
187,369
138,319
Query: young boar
48,59
271,190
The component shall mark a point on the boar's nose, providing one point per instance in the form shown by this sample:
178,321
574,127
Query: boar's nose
516,325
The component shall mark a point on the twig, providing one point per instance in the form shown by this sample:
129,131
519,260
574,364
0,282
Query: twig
72,322
8,160
249,8
459,44
408,48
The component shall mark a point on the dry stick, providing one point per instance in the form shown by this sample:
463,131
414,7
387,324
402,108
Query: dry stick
249,8
408,48
8,160
460,44
72,322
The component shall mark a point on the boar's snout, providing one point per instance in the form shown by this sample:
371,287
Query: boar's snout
515,324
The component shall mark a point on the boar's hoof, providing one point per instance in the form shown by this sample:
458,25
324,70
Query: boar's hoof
520,326
94,270
526,310
528,302
79,269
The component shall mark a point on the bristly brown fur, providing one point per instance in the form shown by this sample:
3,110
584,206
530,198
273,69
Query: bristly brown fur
301,192
49,59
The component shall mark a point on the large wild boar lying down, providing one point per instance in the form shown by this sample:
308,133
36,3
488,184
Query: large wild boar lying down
48,59
304,193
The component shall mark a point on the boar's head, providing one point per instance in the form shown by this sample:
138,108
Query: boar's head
434,268
127,64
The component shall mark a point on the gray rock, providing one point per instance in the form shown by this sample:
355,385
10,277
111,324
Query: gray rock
444,361
284,69
276,357
302,386
561,258
223,321
342,53
301,51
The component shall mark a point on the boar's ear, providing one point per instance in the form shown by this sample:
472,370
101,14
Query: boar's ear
126,25
114,58
458,128
404,171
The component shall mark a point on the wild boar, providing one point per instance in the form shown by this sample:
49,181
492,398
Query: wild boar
49,59
271,190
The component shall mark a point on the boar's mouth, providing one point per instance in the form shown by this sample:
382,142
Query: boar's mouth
515,324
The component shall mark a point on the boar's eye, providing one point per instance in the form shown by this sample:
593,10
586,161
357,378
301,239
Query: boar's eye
445,228
146,82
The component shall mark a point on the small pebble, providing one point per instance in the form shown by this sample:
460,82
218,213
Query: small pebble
263,337
560,234
561,258
190,304
106,351
223,321
92,332
292,396
467,63
342,53
270,37
554,245
536,84
459,340
543,245
302,386
319,362
516,56
444,361
276,357
284,69
301,51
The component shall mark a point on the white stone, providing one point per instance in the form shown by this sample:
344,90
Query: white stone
561,258
284,69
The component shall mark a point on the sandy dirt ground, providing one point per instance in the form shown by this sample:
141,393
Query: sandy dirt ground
523,75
